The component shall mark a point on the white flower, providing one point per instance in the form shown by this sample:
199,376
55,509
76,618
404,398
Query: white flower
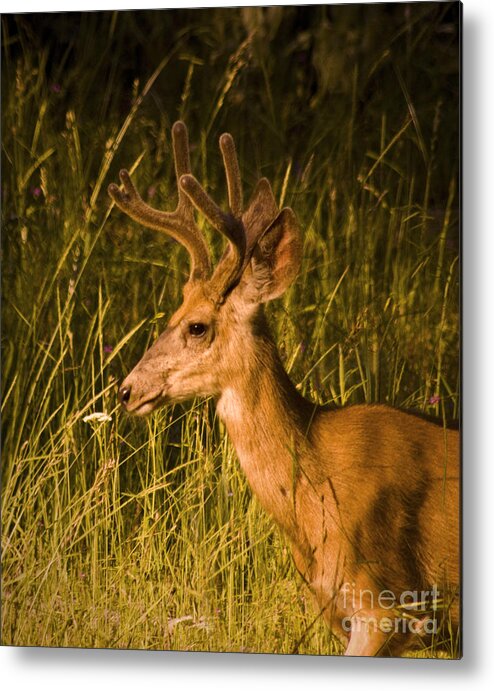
97,417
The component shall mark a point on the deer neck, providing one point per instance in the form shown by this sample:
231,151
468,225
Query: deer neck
267,421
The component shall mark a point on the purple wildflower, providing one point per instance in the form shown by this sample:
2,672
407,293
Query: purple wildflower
434,400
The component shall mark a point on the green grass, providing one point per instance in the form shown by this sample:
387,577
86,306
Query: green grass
144,534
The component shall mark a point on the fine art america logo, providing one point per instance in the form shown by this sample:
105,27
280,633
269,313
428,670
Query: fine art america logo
413,611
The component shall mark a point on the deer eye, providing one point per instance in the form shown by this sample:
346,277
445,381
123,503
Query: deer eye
197,329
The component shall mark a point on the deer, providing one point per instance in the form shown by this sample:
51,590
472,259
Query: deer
367,495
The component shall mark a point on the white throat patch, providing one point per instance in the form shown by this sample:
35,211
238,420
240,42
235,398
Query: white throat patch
229,406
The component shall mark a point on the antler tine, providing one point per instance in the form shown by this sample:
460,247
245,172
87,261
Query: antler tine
182,162
229,224
233,180
178,224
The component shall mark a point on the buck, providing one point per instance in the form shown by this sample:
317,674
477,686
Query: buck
367,495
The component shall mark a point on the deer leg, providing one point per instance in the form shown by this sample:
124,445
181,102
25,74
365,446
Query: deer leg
366,638
366,643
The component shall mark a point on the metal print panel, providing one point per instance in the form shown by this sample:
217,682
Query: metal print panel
230,312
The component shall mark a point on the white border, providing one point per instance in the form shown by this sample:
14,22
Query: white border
75,5
82,669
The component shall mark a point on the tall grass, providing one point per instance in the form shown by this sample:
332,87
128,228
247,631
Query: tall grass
144,534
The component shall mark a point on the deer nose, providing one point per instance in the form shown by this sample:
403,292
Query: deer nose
124,395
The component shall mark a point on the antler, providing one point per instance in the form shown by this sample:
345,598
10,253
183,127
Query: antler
229,224
179,224
241,228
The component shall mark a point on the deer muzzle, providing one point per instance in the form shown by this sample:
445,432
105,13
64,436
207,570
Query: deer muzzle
139,403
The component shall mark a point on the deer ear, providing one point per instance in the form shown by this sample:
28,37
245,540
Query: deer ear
276,257
260,211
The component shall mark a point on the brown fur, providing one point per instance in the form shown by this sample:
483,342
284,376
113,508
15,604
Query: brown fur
366,494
